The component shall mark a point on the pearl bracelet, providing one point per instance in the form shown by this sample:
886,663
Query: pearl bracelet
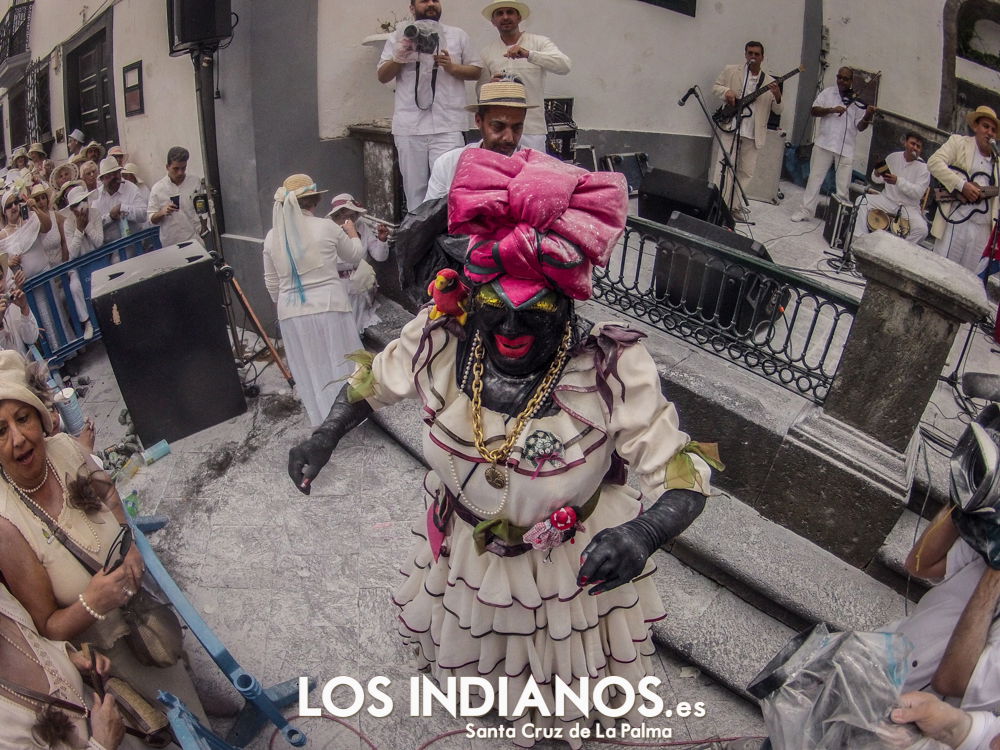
91,611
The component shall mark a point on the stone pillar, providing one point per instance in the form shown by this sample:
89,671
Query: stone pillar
383,194
841,475
912,308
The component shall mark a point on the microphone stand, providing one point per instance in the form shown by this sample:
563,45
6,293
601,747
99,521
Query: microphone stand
726,162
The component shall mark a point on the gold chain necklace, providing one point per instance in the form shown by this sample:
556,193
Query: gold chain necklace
494,475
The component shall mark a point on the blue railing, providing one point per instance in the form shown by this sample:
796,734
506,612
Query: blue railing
50,298
774,322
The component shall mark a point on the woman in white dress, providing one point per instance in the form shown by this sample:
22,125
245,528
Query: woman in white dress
360,275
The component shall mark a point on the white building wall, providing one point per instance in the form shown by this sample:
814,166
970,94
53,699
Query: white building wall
139,30
632,61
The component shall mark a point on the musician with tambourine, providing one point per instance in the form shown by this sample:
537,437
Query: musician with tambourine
841,115
966,167
897,208
748,97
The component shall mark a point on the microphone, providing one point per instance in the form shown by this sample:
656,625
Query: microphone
994,149
684,98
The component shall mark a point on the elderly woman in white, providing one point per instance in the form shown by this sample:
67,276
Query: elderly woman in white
301,254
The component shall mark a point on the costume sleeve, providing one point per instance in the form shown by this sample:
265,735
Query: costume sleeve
549,57
349,249
776,106
375,248
645,428
271,281
939,162
388,49
440,181
393,369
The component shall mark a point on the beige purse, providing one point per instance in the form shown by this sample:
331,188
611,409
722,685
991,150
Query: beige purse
362,279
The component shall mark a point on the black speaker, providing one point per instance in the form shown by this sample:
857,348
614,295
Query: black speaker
698,278
197,24
164,328
662,192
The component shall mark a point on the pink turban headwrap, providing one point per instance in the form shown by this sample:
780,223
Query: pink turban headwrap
535,223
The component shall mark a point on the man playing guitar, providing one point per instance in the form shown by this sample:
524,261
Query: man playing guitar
745,141
966,165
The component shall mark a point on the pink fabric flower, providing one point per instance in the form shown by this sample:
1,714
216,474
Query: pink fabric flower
535,222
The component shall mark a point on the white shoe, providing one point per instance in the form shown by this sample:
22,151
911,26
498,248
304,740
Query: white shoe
801,215
88,331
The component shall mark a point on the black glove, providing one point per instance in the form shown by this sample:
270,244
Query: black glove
617,555
307,458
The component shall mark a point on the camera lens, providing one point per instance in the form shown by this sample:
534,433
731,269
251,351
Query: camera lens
411,31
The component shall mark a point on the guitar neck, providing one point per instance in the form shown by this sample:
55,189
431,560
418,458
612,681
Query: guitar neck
752,97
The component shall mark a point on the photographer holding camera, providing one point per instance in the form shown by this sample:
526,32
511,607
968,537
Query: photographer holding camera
430,63
954,628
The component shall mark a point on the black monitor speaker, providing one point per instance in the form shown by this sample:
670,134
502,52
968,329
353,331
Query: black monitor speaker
198,24
164,326
662,192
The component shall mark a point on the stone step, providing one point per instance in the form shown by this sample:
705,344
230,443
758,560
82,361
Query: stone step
889,564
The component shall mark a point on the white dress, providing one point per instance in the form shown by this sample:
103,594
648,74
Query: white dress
523,616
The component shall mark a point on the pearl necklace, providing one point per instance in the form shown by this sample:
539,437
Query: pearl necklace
65,495
465,500
55,677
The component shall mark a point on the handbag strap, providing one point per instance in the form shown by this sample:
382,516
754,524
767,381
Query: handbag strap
34,695
60,533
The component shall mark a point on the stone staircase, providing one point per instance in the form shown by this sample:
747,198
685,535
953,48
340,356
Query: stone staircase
735,585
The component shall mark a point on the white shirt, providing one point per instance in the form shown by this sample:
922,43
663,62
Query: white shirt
443,171
543,56
180,226
445,111
750,84
912,179
930,626
133,209
837,133
985,726
19,331
82,242
324,289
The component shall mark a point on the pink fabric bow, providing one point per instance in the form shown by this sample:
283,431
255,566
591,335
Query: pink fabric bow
535,222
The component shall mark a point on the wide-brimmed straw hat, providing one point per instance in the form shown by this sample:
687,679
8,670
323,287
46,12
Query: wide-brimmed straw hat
18,152
521,8
130,168
68,167
980,112
14,385
67,186
41,188
77,195
345,202
502,94
93,144
302,185
36,148
109,164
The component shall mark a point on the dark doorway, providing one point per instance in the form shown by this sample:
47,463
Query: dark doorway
89,94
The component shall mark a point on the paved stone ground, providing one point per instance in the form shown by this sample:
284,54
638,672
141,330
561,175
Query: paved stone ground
300,586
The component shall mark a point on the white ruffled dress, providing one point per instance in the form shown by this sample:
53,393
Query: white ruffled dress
484,615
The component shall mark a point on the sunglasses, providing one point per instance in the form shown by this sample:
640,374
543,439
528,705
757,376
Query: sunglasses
119,548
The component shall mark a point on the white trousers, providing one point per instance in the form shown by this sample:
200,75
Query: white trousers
964,243
819,165
746,165
417,154
918,224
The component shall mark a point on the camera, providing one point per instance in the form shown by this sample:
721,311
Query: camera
23,208
424,35
200,201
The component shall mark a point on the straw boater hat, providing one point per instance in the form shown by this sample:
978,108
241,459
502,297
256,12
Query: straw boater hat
345,202
497,4
302,185
14,385
65,189
130,168
36,148
982,111
502,94
109,164
93,144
